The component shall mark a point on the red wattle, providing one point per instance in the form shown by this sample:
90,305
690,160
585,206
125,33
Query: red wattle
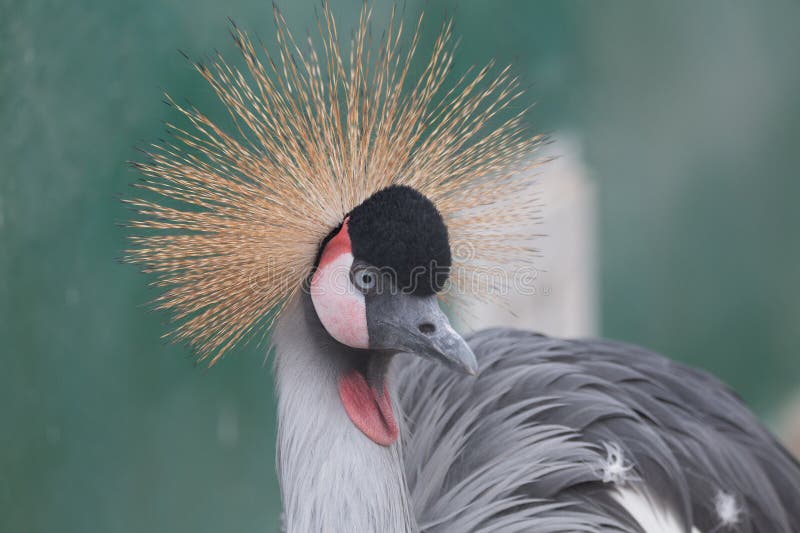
370,409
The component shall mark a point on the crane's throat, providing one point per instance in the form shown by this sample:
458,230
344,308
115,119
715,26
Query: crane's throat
366,400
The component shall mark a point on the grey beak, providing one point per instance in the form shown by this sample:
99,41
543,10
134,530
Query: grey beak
416,324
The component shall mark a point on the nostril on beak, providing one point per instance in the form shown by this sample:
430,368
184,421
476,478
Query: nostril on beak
427,328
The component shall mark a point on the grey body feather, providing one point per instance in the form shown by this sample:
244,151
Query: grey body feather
544,439
523,446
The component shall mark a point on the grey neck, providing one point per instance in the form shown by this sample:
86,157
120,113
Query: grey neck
333,478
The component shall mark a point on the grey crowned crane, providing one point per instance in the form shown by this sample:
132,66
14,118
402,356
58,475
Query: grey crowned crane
346,202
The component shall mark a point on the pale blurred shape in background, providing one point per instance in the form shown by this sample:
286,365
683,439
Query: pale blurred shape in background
789,425
563,302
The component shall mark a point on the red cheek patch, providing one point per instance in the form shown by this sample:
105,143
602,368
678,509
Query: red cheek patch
339,305
338,245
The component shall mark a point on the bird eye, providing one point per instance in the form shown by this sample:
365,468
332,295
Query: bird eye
364,280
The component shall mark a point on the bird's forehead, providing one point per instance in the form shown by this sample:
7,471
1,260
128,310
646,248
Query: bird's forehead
400,231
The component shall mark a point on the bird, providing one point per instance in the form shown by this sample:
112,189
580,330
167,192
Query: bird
352,198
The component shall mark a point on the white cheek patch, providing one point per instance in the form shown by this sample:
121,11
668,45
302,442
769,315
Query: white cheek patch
340,306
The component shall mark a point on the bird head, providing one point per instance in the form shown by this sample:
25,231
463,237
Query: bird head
380,194
374,287
376,281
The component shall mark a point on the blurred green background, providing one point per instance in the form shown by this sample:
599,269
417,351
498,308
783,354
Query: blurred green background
689,120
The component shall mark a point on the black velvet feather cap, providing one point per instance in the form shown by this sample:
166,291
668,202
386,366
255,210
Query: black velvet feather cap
400,231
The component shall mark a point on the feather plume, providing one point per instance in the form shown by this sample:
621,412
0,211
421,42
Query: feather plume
238,215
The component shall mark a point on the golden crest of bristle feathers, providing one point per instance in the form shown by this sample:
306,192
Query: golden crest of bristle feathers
235,218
